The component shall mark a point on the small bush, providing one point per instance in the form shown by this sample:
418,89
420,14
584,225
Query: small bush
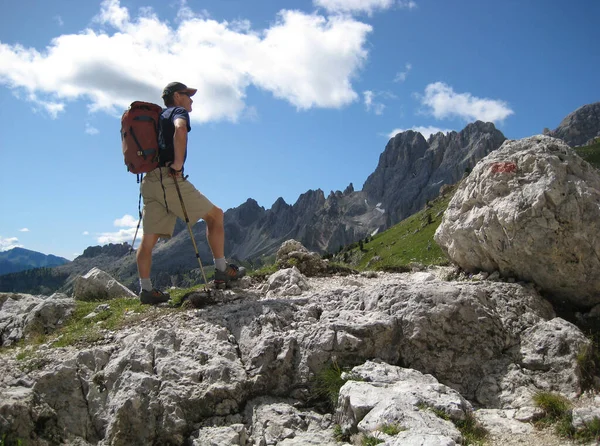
472,432
339,434
369,440
590,432
391,429
328,383
555,406
588,360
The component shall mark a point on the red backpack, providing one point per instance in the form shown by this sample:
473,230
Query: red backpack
139,136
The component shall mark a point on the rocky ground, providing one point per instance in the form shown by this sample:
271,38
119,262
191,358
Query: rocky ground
180,372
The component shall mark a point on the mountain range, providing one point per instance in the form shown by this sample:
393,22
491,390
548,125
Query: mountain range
19,259
410,172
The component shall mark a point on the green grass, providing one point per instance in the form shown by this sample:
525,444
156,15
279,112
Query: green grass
264,271
590,153
557,413
177,294
391,429
327,384
588,360
369,440
590,432
555,407
79,330
472,432
5,442
408,242
338,434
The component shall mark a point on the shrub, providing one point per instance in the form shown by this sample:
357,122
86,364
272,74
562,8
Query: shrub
328,383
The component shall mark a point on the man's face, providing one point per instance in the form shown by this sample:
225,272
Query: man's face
183,99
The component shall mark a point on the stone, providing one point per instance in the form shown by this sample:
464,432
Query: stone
286,282
293,254
98,285
22,315
379,394
530,210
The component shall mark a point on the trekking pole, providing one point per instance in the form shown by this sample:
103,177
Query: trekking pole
189,226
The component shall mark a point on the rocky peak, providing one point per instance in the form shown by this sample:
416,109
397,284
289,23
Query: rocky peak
247,213
412,170
279,205
309,202
579,127
111,250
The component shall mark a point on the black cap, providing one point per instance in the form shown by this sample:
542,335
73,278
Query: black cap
177,86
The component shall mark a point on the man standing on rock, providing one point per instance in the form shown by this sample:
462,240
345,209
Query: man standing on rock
161,201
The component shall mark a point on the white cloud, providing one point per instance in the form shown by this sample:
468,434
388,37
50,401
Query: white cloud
370,104
362,6
445,103
90,130
85,233
408,4
24,230
58,19
126,221
305,59
113,14
425,131
402,75
122,235
9,243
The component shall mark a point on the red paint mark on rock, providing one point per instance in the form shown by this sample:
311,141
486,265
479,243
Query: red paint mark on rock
504,167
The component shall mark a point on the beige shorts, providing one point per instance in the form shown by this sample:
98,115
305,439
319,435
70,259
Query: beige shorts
156,219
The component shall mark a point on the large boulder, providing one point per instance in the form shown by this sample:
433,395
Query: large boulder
99,285
530,210
293,253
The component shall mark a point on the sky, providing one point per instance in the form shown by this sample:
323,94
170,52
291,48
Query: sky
292,95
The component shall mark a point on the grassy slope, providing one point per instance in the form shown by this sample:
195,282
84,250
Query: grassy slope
590,153
409,241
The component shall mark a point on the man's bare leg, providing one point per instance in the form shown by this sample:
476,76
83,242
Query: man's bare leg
215,232
144,255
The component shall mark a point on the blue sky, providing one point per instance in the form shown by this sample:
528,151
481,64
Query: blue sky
292,95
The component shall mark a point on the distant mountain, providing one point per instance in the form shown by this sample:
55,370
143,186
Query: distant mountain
579,128
19,259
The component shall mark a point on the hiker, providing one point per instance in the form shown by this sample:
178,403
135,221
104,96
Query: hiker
161,201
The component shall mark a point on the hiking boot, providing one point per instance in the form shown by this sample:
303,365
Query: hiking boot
232,272
153,297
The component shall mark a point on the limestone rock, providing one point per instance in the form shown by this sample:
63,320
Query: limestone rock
286,282
98,285
293,253
390,395
530,210
24,314
243,370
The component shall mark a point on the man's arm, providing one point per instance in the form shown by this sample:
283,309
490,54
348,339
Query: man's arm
179,143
